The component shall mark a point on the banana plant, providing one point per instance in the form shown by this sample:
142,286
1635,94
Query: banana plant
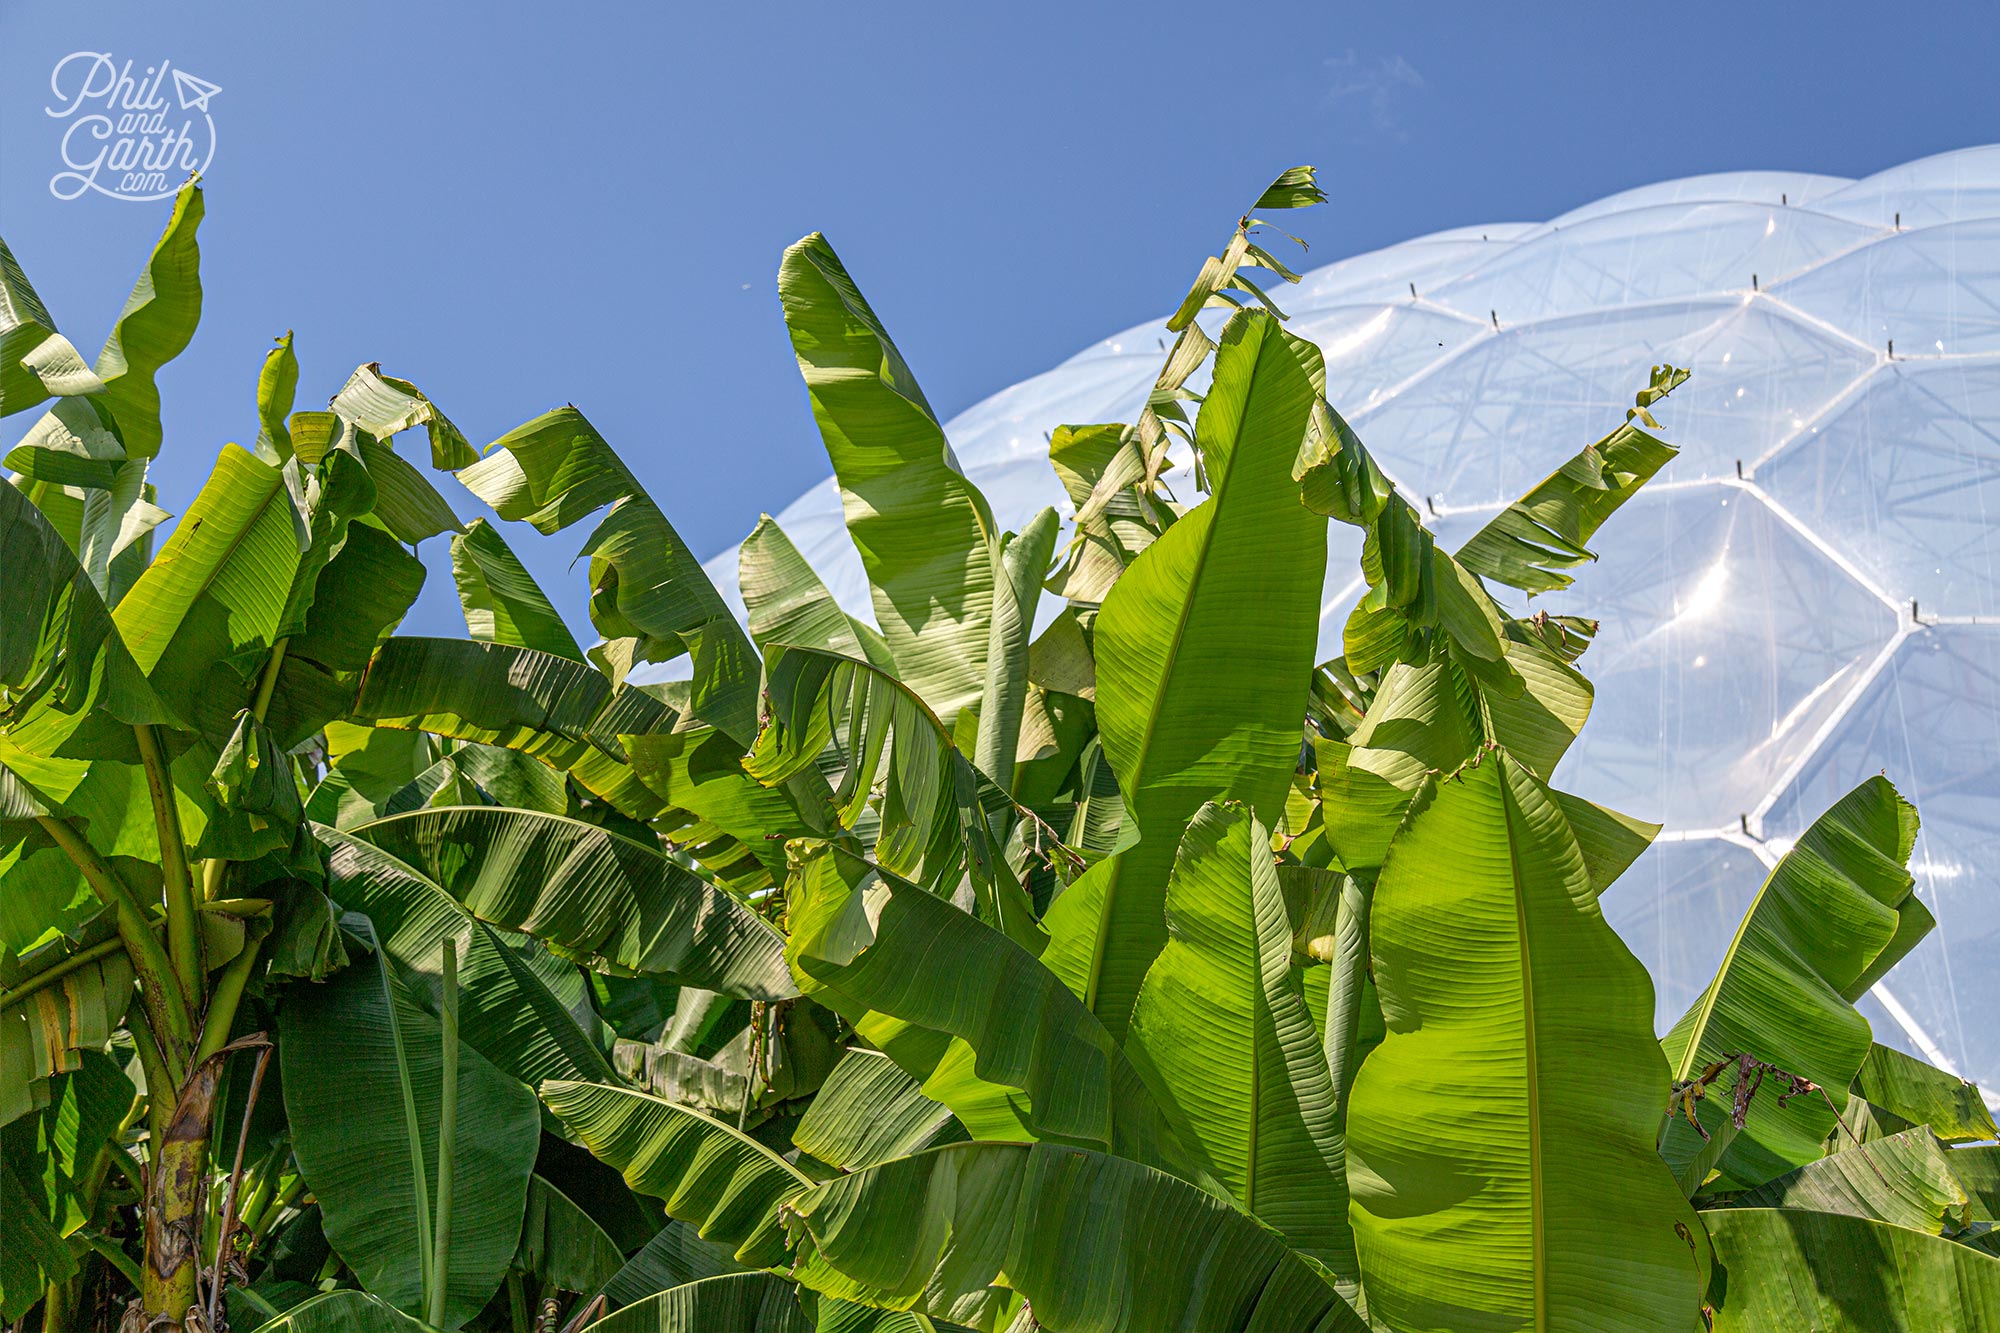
907,970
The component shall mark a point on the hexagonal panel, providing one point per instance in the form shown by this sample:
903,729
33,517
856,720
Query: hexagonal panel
1933,292
1727,640
1904,480
1665,252
1487,425
1370,349
1946,187
1677,908
1928,721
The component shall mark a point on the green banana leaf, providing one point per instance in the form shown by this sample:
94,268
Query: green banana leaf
645,584
46,1166
1103,469
359,596
384,406
700,770
1781,1270
155,327
202,618
562,1245
343,1312
362,1064
510,1007
787,603
405,501
1204,656
1904,1180
870,1110
35,360
1221,1034
1024,561
1925,1095
936,809
76,686
1500,1140
867,944
1533,542
47,1025
926,534
561,712
1095,1244
1814,938
724,1183
501,600
735,1302
606,900
277,389
673,1256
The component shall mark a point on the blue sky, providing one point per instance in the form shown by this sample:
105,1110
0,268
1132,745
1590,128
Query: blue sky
517,206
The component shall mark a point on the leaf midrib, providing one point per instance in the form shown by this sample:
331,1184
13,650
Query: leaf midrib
1534,1089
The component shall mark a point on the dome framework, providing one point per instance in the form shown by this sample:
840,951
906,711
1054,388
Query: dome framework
1808,595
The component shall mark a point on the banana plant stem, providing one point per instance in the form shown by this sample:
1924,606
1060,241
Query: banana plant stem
447,1137
162,992
229,993
183,931
269,683
160,1081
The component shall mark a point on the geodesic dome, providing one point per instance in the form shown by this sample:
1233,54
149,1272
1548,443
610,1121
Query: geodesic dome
1808,595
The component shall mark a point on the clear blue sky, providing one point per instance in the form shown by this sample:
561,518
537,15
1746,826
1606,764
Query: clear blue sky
521,205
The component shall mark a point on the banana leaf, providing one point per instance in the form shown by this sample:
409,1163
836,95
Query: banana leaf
1221,1034
720,1181
1204,657
645,584
1500,1140
362,1064
1833,914
926,535
1093,1243
594,895
1780,1270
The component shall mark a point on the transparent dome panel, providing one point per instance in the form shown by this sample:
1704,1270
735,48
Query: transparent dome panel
1385,275
1904,480
1371,349
1726,641
1934,292
1490,423
1949,187
1929,722
1666,252
1677,908
1791,188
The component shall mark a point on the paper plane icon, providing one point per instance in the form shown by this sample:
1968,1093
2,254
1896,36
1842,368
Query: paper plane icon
194,93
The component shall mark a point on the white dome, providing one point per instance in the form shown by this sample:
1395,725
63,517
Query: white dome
1810,594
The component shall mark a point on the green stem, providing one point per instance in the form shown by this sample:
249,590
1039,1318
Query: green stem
160,1082
285,1199
212,872
517,1303
269,683
183,931
239,908
228,994
447,1136
157,981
